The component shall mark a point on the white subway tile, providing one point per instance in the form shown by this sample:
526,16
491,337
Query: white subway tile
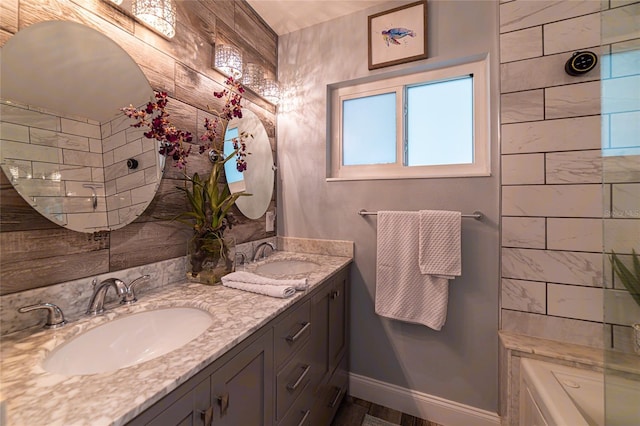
620,308
573,100
621,94
574,234
130,181
523,169
521,44
527,296
130,150
22,151
553,200
551,135
564,267
566,330
622,235
522,106
14,132
524,232
545,71
620,24
572,34
621,168
81,158
626,201
523,14
80,128
569,301
574,167
625,58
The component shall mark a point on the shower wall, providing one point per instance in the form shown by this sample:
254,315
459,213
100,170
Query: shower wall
553,197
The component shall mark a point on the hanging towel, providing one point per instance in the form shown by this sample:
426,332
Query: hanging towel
439,243
402,291
266,289
250,278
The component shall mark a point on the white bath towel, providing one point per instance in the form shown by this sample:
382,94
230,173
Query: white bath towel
280,291
251,278
402,291
439,243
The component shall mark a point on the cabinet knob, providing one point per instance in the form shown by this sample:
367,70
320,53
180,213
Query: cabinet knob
224,403
336,399
305,418
293,386
207,416
335,294
305,327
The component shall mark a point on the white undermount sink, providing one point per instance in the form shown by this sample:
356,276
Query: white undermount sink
128,341
286,267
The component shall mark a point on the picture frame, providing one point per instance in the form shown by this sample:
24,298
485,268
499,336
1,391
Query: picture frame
398,35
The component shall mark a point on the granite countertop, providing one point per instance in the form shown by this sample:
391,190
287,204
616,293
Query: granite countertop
32,396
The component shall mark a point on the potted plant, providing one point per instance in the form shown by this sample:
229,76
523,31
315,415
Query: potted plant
209,200
631,281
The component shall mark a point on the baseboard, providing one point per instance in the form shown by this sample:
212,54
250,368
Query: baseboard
422,405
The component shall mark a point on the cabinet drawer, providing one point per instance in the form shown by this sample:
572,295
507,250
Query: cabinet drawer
292,380
299,414
292,333
330,395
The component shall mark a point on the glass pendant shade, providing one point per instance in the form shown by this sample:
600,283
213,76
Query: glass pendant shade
253,76
271,90
158,14
228,59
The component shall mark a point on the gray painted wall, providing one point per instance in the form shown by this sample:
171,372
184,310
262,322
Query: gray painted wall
460,362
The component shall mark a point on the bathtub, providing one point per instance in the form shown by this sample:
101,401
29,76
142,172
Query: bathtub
553,394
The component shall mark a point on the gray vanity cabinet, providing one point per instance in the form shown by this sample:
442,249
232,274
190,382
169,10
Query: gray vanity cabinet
242,388
237,389
291,372
329,310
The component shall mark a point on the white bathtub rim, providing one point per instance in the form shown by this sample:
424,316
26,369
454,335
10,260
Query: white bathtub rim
556,405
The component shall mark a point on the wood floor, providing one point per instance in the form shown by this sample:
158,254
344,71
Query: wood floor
352,412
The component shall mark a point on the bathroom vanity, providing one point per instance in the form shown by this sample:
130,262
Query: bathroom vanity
264,361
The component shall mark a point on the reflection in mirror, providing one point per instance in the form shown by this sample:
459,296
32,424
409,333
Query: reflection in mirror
66,145
258,179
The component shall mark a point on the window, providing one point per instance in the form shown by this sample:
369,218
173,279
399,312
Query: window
430,124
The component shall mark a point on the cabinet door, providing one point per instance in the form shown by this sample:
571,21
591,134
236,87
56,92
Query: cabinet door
242,389
337,321
329,332
193,409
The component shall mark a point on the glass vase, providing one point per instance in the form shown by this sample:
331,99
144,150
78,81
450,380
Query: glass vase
209,259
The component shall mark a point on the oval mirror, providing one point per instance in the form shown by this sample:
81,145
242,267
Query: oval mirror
258,179
66,146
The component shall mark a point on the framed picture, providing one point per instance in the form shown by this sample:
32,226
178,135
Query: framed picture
398,35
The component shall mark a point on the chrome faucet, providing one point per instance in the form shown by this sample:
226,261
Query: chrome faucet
257,254
55,317
96,304
130,296
126,292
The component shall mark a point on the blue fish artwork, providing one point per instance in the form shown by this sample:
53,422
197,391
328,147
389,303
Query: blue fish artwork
392,35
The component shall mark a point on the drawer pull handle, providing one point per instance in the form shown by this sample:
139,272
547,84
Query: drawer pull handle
224,403
336,399
335,294
305,326
295,385
207,416
304,418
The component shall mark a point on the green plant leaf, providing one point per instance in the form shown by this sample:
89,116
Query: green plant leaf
630,281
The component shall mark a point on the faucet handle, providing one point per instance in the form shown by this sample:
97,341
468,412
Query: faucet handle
55,317
129,296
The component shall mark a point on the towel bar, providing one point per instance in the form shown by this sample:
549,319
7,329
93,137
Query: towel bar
475,215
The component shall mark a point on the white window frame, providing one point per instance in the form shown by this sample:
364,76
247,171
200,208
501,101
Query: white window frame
481,138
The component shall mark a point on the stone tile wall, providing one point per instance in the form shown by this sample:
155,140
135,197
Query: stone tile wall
561,191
